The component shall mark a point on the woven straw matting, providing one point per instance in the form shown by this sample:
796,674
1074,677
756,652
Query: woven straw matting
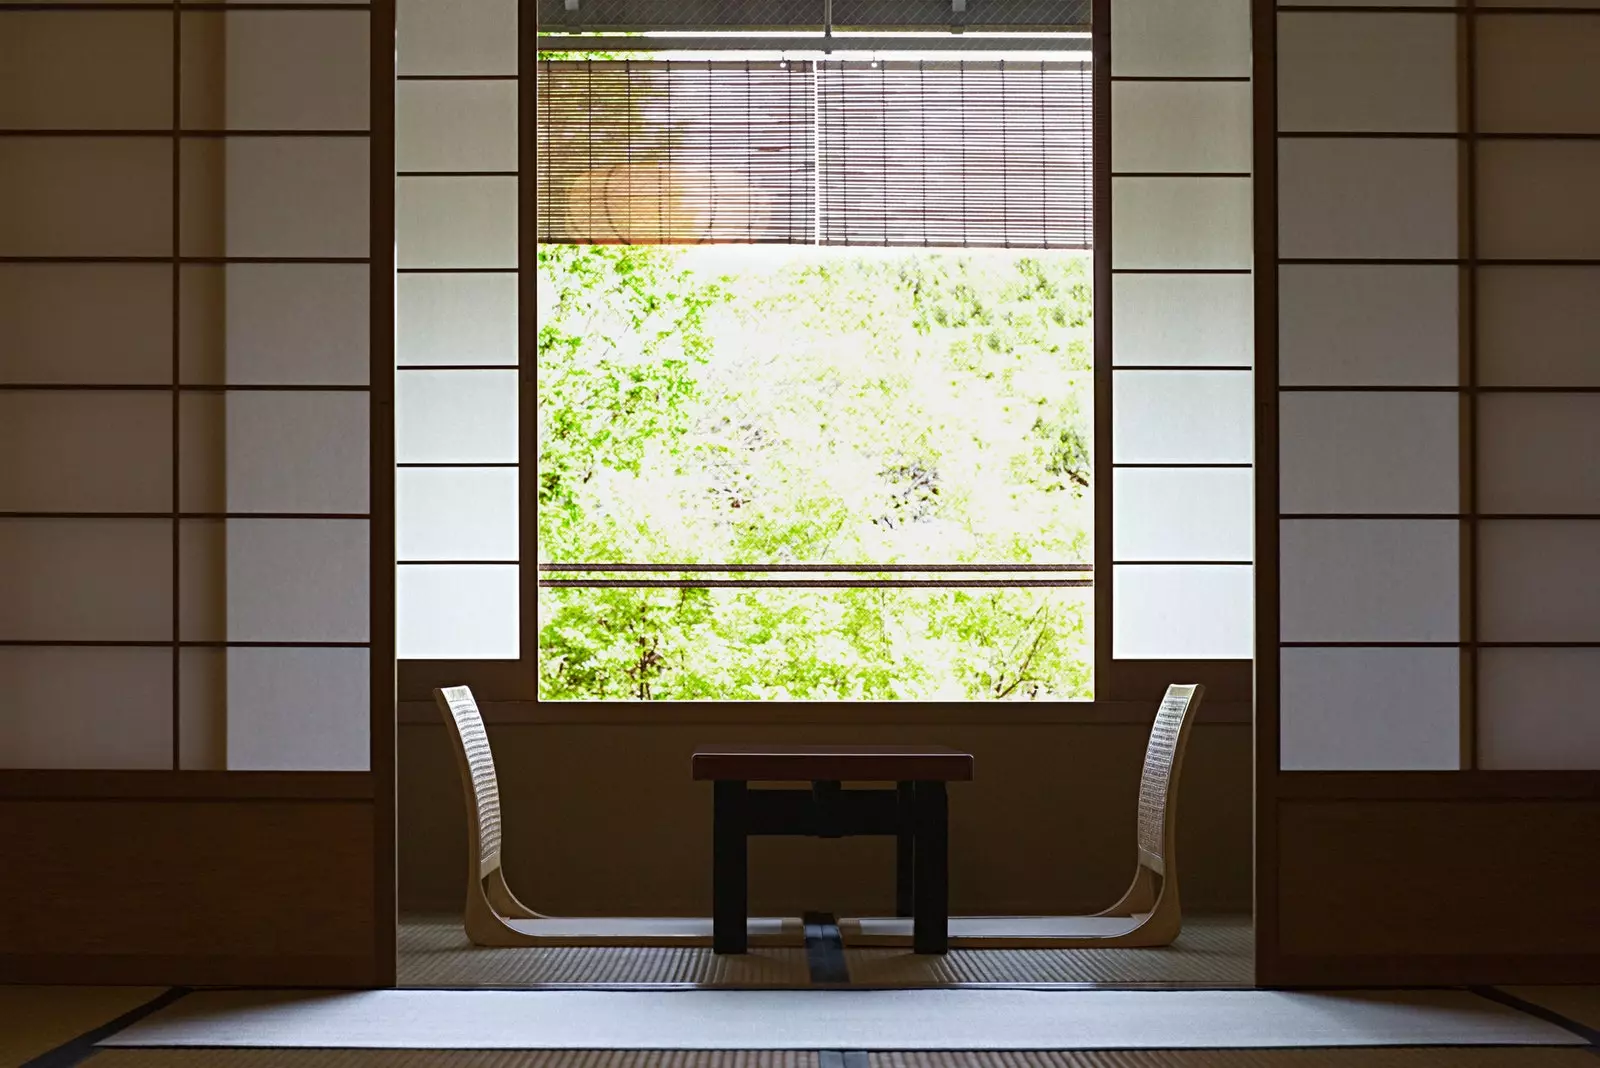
1411,1057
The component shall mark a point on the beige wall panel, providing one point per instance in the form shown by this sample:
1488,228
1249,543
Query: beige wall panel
298,451
276,70
1539,452
86,580
202,709
276,197
1537,75
1181,222
202,452
456,318
1348,72
468,37
299,710
1180,37
1536,200
100,323
103,70
1369,452
1537,709
1370,710
1383,580
456,222
1539,581
456,126
86,708
1368,325
1356,198
1537,326
305,324
202,580
298,580
97,451
86,196
1180,126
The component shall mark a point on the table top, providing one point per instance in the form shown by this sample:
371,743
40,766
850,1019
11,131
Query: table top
832,763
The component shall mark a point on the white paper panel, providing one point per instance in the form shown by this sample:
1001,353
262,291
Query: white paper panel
1358,198
456,222
1181,222
1182,417
1379,580
280,197
1168,320
86,196
456,126
305,324
1539,452
110,71
202,580
202,452
456,513
1180,126
97,451
1180,37
1359,72
1370,710
1368,325
86,580
1537,326
276,70
1370,3
297,580
1536,200
1539,581
1536,75
456,318
203,709
1182,514
1369,452
48,334
297,451
456,416
86,708
457,612
1177,612
299,710
1538,709
464,37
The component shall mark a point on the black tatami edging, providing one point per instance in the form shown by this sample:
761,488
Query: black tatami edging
825,949
80,1049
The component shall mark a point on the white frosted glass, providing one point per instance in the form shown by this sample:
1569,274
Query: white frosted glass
456,318
1177,612
1180,126
1360,72
457,612
298,580
1539,581
456,416
304,324
1538,452
1182,417
464,37
1367,198
1182,514
456,126
456,222
1537,326
1368,325
1165,320
86,580
86,708
1369,710
1369,452
1537,709
297,451
1181,222
1536,75
1536,200
85,452
47,334
456,513
1180,37
279,70
299,710
1379,580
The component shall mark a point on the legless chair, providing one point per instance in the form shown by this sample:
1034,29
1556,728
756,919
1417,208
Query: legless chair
494,916
1147,915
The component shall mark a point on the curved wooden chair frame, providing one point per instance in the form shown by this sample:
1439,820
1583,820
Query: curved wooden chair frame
494,916
1148,914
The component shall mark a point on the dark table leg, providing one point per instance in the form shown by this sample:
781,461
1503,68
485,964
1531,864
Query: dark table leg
730,864
930,932
905,848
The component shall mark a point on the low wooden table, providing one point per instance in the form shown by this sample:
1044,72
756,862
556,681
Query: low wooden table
915,812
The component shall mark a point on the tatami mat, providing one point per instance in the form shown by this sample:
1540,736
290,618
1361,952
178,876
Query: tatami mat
1211,952
1453,1057
435,952
37,1019
371,1058
838,1019
1580,1004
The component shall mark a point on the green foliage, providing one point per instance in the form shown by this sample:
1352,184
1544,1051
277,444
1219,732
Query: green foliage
746,406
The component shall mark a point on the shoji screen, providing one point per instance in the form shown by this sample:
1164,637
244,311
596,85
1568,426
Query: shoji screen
1180,328
457,380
